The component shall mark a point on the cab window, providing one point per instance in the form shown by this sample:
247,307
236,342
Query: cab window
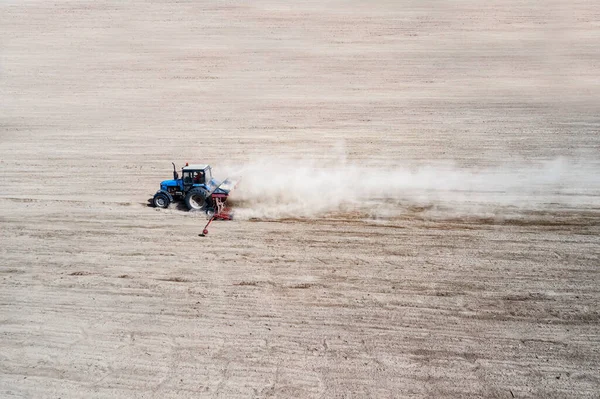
199,177
187,177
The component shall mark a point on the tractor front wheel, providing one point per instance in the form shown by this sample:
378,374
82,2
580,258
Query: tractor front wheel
161,200
196,199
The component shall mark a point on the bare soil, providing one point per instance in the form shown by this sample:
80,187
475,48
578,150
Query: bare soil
102,296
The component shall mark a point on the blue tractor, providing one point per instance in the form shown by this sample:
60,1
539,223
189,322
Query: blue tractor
196,187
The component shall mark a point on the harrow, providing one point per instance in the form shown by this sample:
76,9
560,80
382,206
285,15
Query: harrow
219,210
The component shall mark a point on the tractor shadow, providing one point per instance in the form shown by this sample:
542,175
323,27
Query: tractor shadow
178,205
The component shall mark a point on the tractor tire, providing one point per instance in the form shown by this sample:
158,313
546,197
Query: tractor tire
195,200
161,200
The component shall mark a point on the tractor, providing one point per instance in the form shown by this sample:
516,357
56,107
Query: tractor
197,188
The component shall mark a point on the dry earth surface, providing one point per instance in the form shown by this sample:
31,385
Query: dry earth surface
102,296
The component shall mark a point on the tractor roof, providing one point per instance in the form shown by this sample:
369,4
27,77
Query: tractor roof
195,167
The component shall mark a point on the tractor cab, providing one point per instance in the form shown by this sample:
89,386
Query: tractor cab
195,175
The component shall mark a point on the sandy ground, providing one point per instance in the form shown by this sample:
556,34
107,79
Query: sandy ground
104,297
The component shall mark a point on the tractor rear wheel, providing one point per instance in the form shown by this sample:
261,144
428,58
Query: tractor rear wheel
196,199
161,200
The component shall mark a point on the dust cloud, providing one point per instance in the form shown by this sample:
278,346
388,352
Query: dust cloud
304,188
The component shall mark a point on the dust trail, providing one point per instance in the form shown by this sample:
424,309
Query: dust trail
306,188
